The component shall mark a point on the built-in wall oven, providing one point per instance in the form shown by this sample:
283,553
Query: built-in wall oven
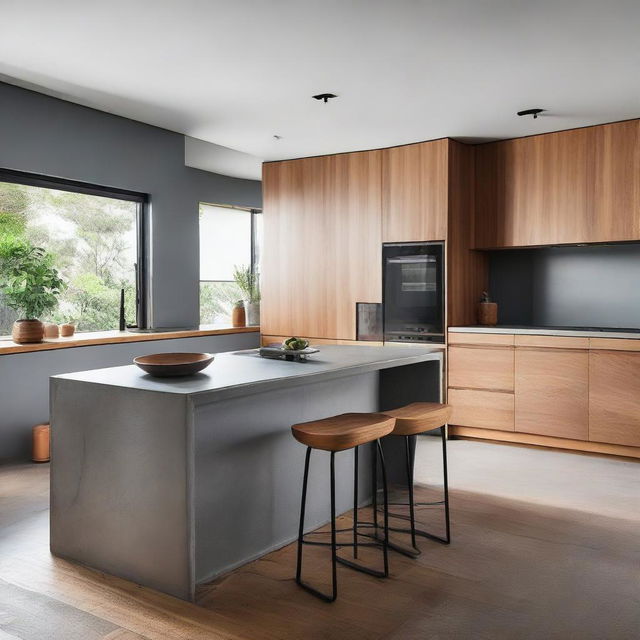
413,292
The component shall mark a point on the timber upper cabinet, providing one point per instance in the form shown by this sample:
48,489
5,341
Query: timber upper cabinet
415,199
322,244
572,186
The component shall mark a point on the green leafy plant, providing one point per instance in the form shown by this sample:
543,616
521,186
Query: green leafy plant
248,282
29,282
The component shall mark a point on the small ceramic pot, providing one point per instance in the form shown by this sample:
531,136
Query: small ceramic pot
51,330
253,313
67,330
27,331
238,317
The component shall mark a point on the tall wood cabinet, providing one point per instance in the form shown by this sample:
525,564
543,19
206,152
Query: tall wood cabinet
327,217
567,187
322,243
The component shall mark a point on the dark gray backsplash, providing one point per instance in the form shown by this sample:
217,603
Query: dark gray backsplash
589,286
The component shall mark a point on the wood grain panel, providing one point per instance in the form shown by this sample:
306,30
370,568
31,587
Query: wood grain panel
467,270
482,339
481,368
415,193
552,342
614,397
481,409
544,441
92,338
322,243
551,392
572,186
615,344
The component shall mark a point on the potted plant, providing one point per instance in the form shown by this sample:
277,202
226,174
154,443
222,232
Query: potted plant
30,285
248,281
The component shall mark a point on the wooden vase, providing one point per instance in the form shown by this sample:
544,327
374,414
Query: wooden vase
488,314
238,317
67,330
27,331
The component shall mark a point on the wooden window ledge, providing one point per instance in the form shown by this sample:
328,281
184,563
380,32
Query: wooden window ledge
91,338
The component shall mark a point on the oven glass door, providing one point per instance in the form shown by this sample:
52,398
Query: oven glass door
413,301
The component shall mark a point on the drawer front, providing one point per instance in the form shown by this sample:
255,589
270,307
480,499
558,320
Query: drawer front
481,368
481,409
482,339
615,344
552,342
614,397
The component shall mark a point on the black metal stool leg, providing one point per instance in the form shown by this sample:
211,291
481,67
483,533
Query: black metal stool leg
384,542
443,435
374,475
301,541
355,502
413,531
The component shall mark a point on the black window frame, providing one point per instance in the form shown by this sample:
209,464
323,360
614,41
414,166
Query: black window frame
87,188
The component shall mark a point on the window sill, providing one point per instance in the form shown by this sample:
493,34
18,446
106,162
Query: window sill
92,338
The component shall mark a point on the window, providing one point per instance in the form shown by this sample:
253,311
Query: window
229,237
95,236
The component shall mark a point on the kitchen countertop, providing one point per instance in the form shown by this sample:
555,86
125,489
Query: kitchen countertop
549,331
239,372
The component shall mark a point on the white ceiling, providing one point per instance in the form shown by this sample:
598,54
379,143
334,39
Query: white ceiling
238,72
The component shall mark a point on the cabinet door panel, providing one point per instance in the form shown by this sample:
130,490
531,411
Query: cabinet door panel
415,193
481,368
614,397
481,409
572,186
551,389
322,243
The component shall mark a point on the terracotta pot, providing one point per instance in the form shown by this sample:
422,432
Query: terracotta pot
41,451
238,318
26,331
51,330
67,330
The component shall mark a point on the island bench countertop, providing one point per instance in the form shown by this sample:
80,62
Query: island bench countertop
239,372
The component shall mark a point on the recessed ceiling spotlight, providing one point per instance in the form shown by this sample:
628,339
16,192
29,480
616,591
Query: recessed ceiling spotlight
325,96
531,112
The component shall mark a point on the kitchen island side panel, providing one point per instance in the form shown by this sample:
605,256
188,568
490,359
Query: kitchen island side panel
119,483
249,467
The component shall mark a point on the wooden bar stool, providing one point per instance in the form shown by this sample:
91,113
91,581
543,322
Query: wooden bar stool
339,433
412,420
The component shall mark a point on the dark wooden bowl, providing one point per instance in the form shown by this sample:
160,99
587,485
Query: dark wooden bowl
166,365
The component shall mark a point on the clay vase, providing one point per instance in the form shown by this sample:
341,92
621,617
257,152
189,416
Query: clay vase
27,331
238,317
67,330
51,330
41,447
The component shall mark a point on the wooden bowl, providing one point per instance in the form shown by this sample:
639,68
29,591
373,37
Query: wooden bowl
166,365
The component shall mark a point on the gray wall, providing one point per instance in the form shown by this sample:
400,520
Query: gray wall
591,286
24,378
44,135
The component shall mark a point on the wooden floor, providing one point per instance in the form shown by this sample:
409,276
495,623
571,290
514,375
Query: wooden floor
516,569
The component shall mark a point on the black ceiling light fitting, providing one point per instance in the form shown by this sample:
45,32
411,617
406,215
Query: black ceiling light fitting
530,112
325,96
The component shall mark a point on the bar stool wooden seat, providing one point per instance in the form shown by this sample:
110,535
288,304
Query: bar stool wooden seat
411,420
334,434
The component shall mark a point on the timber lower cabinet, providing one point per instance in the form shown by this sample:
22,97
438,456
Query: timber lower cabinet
614,397
552,392
571,392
